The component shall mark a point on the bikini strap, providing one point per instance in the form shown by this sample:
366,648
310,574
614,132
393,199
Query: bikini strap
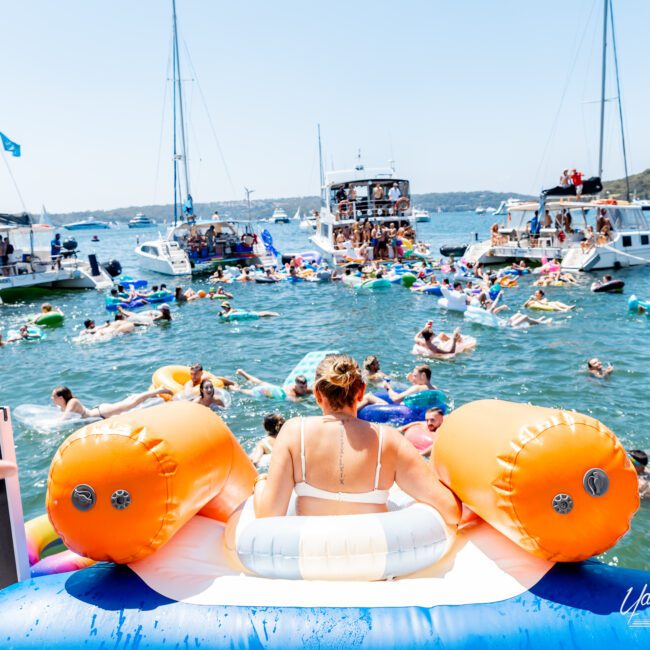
302,449
381,439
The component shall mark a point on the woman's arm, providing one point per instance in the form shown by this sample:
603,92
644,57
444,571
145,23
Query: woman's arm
272,496
421,482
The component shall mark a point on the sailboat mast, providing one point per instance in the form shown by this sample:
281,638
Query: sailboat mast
620,106
320,163
180,110
602,90
174,75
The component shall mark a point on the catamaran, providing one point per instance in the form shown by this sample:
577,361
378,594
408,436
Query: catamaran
585,232
193,245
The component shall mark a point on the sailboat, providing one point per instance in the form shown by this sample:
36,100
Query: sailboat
192,245
627,243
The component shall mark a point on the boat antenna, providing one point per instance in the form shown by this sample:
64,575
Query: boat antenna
320,163
602,90
620,106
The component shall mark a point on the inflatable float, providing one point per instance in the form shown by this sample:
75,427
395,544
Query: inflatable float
452,300
411,409
48,319
613,286
638,306
175,377
184,564
34,333
376,283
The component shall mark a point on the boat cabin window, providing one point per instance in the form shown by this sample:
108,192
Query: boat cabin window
369,199
645,240
150,250
627,241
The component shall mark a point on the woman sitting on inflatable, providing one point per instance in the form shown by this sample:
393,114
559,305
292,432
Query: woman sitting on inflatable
538,301
368,459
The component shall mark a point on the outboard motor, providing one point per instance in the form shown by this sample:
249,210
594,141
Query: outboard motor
70,244
113,268
94,265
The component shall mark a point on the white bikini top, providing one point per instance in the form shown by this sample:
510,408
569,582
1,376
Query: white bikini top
304,489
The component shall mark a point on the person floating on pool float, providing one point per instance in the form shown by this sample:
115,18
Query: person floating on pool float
164,313
192,388
307,449
425,339
596,369
433,419
640,462
299,389
220,292
261,454
185,296
46,308
23,334
227,310
64,399
420,378
538,300
207,397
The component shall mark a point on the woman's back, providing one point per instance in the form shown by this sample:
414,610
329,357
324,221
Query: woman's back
342,458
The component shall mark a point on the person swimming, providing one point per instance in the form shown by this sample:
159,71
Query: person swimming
207,396
596,369
307,449
372,373
70,405
228,310
261,454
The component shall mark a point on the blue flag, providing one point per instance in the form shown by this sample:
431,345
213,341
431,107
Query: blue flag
11,147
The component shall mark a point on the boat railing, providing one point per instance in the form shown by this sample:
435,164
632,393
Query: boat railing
356,210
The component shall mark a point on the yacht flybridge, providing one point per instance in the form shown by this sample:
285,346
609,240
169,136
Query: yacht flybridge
354,196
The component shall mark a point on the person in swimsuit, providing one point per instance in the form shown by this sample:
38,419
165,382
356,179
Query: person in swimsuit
261,454
640,462
596,368
299,389
207,397
192,386
425,339
228,310
63,398
367,459
539,298
420,378
372,373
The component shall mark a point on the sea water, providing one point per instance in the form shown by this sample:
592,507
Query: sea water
544,365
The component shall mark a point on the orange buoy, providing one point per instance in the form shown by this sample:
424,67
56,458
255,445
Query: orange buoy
120,488
557,483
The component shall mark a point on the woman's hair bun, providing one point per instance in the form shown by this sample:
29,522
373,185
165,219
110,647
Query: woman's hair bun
338,378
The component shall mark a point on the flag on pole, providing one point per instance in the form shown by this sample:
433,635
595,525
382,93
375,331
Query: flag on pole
11,147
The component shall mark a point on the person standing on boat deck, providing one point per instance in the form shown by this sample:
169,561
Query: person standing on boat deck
4,256
352,197
55,249
565,179
394,194
576,179
307,449
378,198
209,236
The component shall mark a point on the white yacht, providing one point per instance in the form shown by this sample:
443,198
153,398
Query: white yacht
87,224
309,222
421,216
201,246
505,206
338,211
279,216
141,221
31,263
627,245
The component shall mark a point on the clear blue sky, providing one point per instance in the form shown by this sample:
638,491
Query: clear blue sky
463,95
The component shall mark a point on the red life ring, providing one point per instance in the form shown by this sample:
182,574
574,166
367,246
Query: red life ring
402,201
344,207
